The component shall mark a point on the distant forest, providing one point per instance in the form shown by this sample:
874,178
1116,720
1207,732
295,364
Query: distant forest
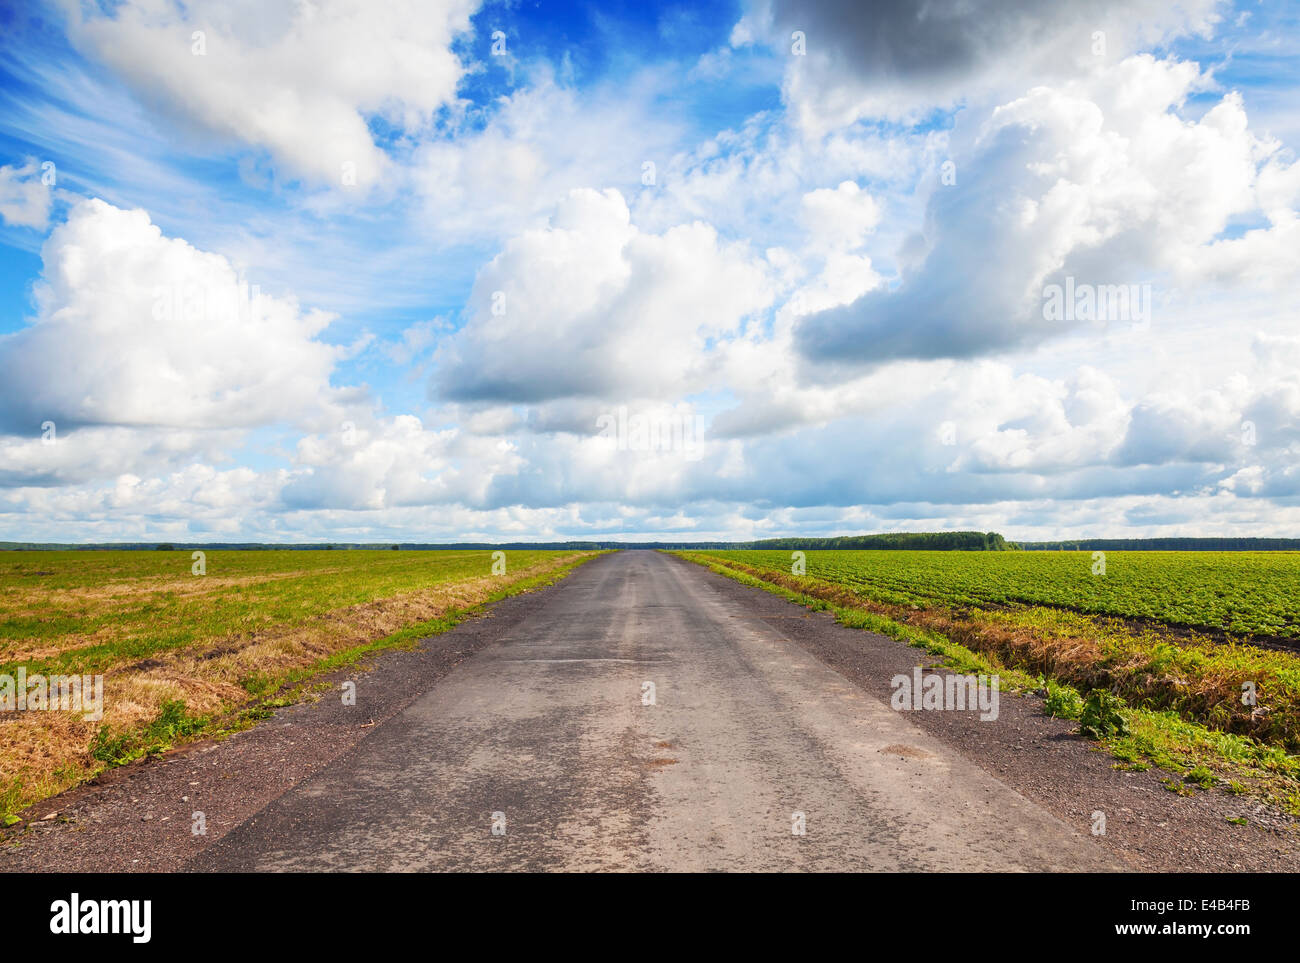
1167,545
933,541
936,541
966,541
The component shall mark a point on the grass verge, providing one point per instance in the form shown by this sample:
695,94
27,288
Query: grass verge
1047,655
237,687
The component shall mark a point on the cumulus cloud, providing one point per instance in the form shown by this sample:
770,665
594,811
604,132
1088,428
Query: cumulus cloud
194,502
392,463
45,457
299,80
590,306
540,142
1100,181
137,329
839,218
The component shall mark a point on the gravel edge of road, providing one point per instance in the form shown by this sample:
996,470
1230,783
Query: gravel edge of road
139,817
1041,757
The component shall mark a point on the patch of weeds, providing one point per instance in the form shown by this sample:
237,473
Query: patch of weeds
1163,655
1177,787
259,683
10,803
1201,776
1237,820
111,748
171,723
1102,715
1063,701
1126,752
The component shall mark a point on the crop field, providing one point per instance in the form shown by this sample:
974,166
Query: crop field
1248,594
1169,634
178,646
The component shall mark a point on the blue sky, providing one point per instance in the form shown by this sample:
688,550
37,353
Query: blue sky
726,270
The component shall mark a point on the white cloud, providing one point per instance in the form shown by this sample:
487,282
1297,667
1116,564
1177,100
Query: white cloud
592,307
840,219
541,142
53,457
297,79
1101,180
393,463
137,329
24,197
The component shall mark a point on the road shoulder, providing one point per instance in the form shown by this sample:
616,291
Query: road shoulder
142,817
1040,757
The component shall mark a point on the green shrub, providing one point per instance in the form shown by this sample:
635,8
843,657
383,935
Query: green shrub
1101,715
1063,702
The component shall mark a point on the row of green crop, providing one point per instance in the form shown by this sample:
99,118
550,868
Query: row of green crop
1240,593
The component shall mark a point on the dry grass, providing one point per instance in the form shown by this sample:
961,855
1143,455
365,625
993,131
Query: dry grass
1199,678
45,752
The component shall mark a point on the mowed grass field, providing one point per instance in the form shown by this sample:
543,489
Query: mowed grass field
178,650
1248,594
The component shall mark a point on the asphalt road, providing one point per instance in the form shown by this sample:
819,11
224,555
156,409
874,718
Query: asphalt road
539,752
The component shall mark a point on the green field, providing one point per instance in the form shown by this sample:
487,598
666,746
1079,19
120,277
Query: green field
1240,593
90,611
1097,647
185,654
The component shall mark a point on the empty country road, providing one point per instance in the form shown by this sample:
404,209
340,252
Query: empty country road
543,735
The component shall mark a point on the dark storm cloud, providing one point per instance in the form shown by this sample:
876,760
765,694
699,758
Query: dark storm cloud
940,48
930,42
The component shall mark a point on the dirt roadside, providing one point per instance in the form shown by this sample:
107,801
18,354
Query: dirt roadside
1041,758
141,817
